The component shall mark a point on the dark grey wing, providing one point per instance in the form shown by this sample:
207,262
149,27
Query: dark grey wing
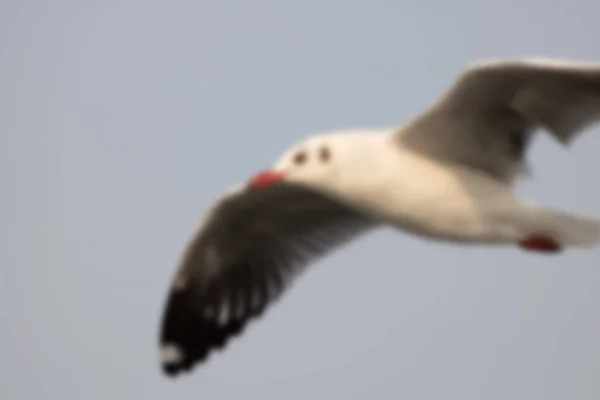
247,251
487,118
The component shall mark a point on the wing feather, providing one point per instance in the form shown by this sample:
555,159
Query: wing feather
487,118
248,250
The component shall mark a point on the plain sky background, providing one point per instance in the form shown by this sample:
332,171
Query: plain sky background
121,121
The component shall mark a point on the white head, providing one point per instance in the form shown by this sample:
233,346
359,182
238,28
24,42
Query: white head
313,162
330,160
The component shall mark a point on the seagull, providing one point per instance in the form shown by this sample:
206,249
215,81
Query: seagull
448,174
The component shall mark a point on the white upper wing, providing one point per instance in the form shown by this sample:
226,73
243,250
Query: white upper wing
486,119
247,250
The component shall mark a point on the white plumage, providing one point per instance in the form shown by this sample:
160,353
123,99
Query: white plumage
448,174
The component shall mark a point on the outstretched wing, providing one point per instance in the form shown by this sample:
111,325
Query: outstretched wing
246,252
486,119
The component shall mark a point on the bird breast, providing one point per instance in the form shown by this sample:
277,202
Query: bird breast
414,193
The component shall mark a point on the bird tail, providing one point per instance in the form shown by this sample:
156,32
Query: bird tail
569,230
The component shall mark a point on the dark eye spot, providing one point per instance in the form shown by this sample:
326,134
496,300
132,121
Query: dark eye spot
325,154
300,158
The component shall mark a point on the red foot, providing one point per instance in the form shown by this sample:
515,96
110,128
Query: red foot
540,243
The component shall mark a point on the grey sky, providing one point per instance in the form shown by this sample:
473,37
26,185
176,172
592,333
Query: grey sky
122,121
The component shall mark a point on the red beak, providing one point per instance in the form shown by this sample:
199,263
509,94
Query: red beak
266,178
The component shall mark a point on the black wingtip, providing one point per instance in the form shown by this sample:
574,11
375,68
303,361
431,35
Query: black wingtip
174,360
189,335
183,338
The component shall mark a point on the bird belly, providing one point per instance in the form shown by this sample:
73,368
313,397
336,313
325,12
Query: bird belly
426,198
437,207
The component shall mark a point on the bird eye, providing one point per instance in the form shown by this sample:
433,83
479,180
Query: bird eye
325,154
300,158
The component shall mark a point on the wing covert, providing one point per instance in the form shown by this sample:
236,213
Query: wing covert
250,247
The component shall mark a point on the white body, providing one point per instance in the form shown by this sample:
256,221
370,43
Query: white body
447,174
427,197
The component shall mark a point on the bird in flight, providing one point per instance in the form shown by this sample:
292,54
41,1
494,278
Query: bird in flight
448,174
